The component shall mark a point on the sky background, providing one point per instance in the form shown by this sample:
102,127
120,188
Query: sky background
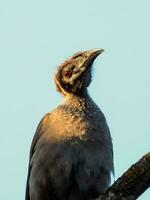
36,36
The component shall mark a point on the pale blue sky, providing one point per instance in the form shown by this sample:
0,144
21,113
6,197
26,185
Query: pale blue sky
36,36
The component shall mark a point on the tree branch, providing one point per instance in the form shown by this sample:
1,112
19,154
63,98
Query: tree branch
132,183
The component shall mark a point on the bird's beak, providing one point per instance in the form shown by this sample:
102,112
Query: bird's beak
91,55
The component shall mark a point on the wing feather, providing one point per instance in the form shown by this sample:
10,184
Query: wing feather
36,137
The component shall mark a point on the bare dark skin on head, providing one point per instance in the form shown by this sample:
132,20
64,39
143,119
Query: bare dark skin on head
74,76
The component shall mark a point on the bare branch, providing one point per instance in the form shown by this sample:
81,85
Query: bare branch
132,183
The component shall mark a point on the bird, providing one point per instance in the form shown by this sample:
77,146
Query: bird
71,155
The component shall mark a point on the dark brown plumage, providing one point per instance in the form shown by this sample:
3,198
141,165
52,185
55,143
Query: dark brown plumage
71,153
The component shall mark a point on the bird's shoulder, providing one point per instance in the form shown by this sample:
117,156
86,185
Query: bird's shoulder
41,126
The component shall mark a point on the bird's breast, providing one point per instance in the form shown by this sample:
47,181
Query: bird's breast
74,139
67,124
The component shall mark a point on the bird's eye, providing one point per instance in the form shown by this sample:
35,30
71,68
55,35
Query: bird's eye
68,74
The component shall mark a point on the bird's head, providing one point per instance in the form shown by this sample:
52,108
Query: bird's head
74,75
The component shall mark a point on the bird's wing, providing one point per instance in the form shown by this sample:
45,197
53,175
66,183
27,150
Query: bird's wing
33,145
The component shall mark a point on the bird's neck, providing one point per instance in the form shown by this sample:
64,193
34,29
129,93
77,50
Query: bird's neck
82,100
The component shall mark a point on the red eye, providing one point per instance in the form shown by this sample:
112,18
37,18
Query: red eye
68,74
